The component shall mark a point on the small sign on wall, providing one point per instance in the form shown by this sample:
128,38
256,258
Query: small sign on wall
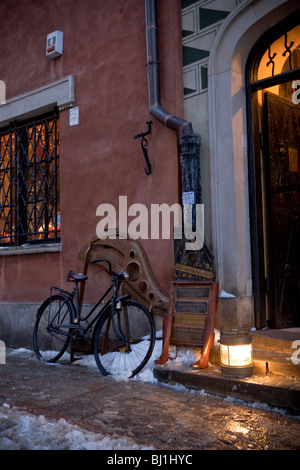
74,116
2,92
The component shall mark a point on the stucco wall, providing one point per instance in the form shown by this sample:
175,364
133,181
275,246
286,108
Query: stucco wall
105,51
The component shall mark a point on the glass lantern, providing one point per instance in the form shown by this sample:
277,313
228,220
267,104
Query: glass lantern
236,353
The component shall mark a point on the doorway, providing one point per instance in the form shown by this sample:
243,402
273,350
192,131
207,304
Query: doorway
273,86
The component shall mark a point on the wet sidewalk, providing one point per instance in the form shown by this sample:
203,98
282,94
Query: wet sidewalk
145,412
276,372
269,389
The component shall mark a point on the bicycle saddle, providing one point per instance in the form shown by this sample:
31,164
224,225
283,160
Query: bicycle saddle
73,276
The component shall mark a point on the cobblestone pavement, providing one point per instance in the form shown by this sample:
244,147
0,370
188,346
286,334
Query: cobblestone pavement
149,414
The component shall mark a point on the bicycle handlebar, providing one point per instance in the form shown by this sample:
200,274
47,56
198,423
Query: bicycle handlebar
122,275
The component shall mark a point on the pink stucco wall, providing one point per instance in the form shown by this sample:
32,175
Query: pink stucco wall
105,51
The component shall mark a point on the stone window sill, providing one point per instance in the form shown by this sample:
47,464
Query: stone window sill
29,249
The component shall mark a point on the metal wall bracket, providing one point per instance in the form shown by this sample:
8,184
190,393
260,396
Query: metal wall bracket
144,144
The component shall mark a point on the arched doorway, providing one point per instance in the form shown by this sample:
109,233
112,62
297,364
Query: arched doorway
273,87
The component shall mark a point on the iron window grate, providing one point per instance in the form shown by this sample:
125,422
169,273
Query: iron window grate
29,182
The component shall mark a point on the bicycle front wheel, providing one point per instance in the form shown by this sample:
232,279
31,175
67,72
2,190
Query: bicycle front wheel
52,328
124,340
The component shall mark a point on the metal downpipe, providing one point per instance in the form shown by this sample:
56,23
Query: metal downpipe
180,125
189,150
189,142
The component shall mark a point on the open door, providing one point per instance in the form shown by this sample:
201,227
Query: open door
273,91
281,154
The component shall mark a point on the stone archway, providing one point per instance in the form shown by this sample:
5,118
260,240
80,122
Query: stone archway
228,153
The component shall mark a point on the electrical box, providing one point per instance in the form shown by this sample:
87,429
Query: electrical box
54,47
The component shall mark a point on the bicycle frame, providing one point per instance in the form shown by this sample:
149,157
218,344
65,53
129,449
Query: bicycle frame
120,333
113,301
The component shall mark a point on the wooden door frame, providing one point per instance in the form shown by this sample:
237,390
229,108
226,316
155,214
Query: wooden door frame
254,167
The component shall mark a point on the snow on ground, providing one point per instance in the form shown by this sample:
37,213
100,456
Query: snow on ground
22,431
177,356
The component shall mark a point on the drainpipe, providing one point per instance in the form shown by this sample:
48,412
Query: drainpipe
189,145
183,127
187,261
188,141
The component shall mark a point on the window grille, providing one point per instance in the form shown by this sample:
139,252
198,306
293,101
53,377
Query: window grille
29,182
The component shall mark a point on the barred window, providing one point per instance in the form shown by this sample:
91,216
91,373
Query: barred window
29,182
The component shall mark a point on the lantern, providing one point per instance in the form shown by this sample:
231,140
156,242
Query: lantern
236,352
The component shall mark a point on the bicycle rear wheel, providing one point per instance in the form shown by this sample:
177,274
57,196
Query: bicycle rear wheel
52,326
124,340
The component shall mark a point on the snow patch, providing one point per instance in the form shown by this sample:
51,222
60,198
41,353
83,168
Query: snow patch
21,431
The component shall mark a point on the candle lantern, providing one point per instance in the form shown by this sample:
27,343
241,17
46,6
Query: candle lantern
236,352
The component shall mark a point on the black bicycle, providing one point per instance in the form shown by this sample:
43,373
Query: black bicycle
123,336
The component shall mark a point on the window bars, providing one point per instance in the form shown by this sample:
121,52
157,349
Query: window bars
29,182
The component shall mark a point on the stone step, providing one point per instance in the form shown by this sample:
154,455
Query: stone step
281,340
273,362
266,361
270,389
276,374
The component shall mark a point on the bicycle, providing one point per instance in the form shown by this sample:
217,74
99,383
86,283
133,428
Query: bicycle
124,331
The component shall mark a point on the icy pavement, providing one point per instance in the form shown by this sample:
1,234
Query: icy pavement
70,406
22,431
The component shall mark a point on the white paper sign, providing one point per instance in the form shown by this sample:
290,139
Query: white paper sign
74,116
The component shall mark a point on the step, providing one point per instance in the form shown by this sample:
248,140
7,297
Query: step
273,362
267,361
280,340
276,372
269,389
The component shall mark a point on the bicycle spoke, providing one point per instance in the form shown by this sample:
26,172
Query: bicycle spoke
50,338
124,340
